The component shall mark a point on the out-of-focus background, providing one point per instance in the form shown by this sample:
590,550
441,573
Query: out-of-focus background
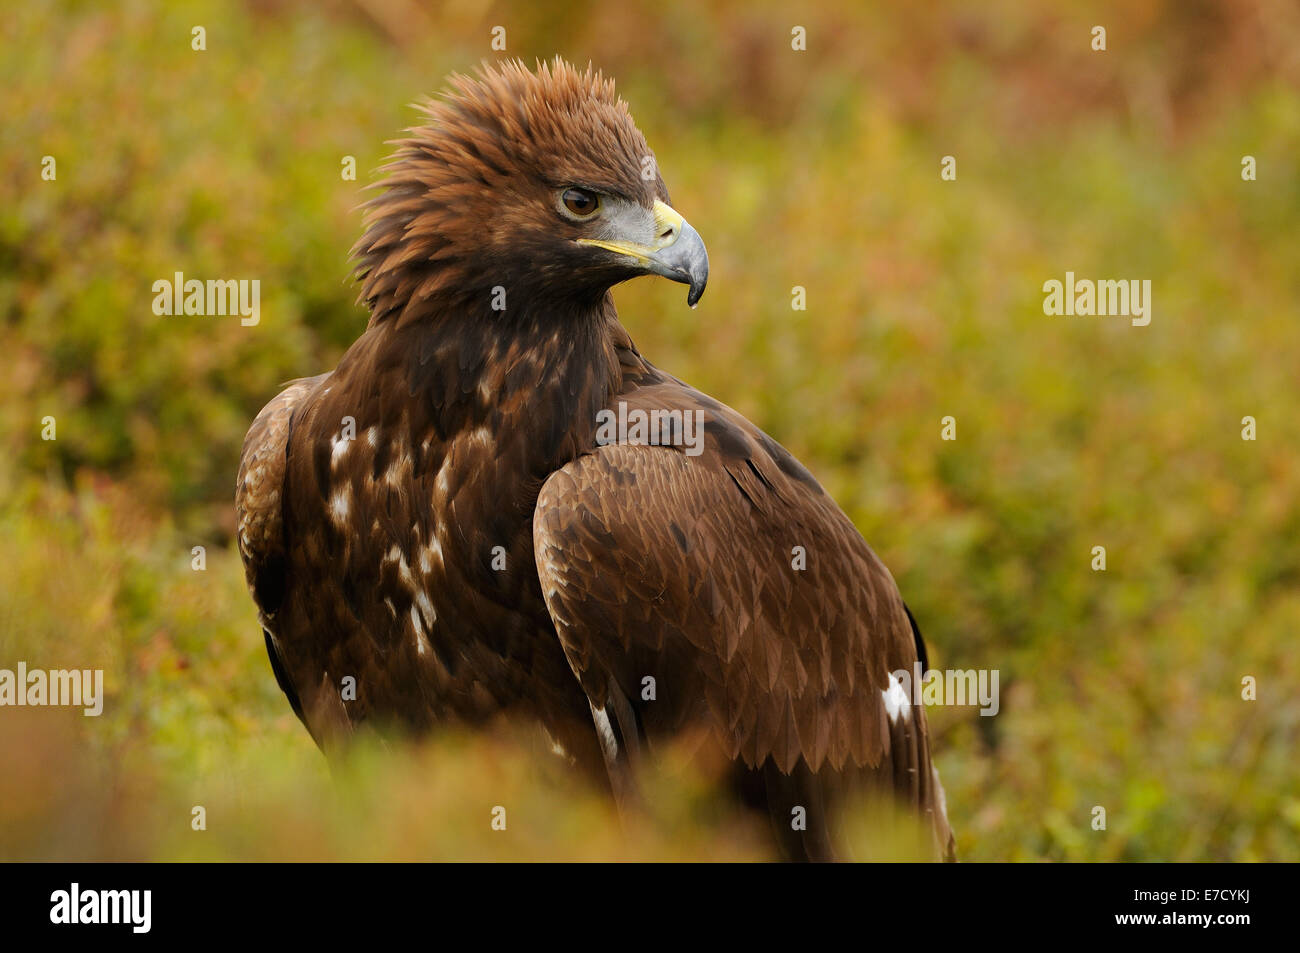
819,169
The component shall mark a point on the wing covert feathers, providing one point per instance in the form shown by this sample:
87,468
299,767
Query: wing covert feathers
732,584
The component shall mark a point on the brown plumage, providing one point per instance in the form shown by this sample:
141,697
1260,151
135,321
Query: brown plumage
440,518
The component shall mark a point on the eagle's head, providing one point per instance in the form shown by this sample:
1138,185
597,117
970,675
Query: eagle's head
521,188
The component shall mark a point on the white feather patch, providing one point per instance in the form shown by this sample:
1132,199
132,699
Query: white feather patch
339,506
338,447
896,702
606,732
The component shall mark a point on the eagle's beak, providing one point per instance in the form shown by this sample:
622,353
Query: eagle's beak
677,251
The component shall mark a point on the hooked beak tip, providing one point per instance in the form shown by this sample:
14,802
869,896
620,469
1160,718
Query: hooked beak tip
696,291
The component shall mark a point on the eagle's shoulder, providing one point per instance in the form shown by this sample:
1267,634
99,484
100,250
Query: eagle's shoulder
259,493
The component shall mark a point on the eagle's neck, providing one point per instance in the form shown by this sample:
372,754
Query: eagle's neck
533,381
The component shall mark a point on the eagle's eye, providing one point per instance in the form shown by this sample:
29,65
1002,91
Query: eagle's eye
580,203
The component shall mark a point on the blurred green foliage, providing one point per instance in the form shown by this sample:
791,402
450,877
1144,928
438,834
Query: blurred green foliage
819,169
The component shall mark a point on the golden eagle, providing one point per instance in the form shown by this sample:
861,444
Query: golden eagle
470,516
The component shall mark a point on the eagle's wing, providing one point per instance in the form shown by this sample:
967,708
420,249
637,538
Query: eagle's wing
735,583
259,511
